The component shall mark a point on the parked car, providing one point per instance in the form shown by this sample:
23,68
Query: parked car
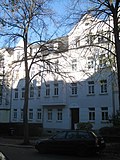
72,141
3,157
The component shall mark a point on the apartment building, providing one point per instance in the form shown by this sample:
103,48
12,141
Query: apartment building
73,80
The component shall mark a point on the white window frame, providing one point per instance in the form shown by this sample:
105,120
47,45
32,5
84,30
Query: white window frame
21,114
74,89
103,86
56,89
74,65
59,114
30,114
38,91
15,114
23,92
39,114
91,113
47,89
91,87
49,115
16,93
31,92
104,113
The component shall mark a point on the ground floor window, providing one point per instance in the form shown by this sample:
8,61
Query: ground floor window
49,114
59,115
104,113
15,114
92,114
39,114
30,114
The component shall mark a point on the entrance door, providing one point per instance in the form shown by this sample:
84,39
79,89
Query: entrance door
74,117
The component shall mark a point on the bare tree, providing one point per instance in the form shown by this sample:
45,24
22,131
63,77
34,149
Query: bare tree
103,13
27,20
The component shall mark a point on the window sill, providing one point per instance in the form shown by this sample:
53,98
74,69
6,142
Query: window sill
59,121
103,93
105,121
91,94
74,95
55,96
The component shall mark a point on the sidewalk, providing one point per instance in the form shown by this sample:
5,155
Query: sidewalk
15,142
112,149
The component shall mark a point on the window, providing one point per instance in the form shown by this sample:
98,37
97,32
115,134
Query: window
30,114
74,64
15,113
59,114
102,61
39,114
49,114
0,100
38,91
103,85
47,89
23,92
91,114
74,88
18,55
1,89
21,115
56,66
16,93
90,87
90,62
90,39
31,91
78,42
55,89
104,112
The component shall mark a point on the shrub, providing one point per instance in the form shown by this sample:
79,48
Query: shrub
84,126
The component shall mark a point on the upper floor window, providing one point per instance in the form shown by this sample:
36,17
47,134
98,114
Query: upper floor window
102,61
91,87
78,42
31,91
21,114
38,91
90,39
90,62
47,89
18,55
104,113
16,93
74,88
55,89
103,86
23,92
56,66
74,64
1,90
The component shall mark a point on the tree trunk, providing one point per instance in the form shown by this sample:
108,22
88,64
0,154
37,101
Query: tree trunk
25,118
117,49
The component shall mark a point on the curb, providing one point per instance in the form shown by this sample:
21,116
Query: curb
17,145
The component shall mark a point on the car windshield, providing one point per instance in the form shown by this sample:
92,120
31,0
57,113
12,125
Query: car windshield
60,135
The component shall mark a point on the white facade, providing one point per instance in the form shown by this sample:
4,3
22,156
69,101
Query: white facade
82,87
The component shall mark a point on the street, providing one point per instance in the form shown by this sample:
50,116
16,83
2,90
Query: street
20,153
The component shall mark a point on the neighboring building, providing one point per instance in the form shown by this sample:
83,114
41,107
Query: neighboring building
5,62
74,80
